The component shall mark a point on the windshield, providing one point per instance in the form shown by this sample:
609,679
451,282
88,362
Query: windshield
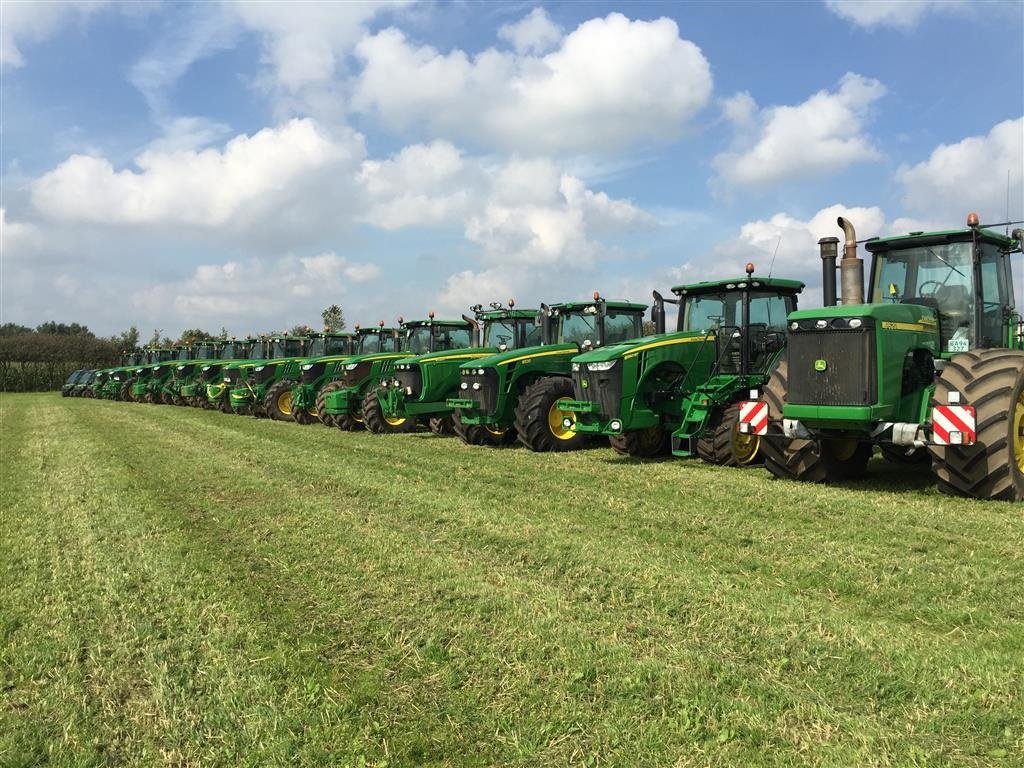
575,328
520,332
937,276
230,351
183,354
286,348
206,353
708,312
620,326
417,340
338,345
369,343
316,347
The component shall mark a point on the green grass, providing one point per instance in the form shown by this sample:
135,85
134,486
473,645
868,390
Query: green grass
181,587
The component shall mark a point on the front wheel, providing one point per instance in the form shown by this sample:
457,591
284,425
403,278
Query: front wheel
304,416
540,424
278,401
380,424
441,425
641,443
723,444
480,434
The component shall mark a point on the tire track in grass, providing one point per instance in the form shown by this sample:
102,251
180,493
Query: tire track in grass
292,472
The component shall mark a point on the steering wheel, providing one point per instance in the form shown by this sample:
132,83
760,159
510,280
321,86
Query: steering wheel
921,292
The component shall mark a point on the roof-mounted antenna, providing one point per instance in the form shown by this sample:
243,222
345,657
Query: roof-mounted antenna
770,266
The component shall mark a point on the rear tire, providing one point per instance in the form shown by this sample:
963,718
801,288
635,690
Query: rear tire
478,434
378,423
278,401
321,403
539,423
642,443
303,416
723,444
992,380
809,461
125,393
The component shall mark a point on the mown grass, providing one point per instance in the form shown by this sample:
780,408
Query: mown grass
182,587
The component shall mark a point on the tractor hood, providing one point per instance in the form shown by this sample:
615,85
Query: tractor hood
455,356
513,356
636,346
895,313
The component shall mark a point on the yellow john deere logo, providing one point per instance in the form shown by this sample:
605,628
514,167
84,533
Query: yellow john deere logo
820,365
584,383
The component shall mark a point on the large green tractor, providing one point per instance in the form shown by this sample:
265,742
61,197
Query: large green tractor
264,388
683,390
516,393
341,401
221,376
187,371
83,387
73,378
931,368
422,385
114,388
327,352
160,375
138,384
193,388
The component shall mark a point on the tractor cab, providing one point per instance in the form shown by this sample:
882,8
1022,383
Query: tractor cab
505,328
206,350
377,339
327,344
135,359
430,335
589,324
183,352
286,346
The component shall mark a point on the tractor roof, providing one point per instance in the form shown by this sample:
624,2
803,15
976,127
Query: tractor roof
375,329
717,286
573,306
434,321
915,239
506,314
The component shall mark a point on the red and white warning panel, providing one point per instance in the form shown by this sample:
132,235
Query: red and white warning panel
953,425
753,417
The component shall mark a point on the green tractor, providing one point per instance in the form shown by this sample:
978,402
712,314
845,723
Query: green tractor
340,402
193,389
264,388
931,368
422,385
327,352
83,386
186,371
516,393
114,388
684,389
225,374
72,379
160,375
138,383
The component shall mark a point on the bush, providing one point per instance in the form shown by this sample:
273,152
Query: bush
35,362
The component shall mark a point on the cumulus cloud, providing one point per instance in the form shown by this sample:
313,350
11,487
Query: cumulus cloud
969,175
824,133
610,83
900,14
288,175
534,33
34,22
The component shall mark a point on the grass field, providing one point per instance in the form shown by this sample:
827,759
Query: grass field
181,587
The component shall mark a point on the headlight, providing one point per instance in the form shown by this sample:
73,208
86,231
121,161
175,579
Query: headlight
856,322
480,371
464,385
227,380
260,367
821,324
476,385
157,369
206,367
575,367
307,366
180,368
606,365
351,366
794,326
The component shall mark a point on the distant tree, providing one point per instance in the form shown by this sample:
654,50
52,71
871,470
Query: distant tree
334,318
127,340
193,335
299,330
13,329
63,329
223,333
154,340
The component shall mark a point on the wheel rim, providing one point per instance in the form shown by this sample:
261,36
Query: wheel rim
650,439
1018,432
496,431
744,446
284,403
843,450
394,421
557,419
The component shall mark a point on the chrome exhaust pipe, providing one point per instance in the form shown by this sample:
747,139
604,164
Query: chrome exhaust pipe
851,268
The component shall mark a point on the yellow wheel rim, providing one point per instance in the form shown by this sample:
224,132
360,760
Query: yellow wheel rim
496,431
1018,432
744,446
357,417
394,421
843,450
557,419
284,403
312,411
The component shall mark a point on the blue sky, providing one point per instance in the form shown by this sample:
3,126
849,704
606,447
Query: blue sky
245,164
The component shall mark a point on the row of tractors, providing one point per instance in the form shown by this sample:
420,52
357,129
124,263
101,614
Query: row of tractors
928,369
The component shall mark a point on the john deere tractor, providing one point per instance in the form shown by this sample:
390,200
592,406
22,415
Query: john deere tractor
264,388
931,368
115,387
422,385
684,389
83,386
187,371
160,374
327,351
341,401
220,376
155,357
72,379
516,393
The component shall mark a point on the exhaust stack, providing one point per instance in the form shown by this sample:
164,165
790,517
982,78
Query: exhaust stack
828,248
658,313
851,268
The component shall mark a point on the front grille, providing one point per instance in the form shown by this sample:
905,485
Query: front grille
411,379
232,375
313,372
603,388
848,359
486,397
357,374
262,376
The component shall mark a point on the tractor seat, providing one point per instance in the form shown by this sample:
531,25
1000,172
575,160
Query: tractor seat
954,301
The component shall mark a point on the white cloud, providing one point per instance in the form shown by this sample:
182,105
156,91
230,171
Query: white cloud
611,83
823,134
970,175
534,33
27,22
279,179
740,108
901,14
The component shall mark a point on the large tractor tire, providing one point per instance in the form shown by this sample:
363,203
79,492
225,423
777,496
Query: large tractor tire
642,443
224,406
441,425
723,444
321,403
478,434
378,423
809,461
992,380
304,416
125,393
539,424
278,401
